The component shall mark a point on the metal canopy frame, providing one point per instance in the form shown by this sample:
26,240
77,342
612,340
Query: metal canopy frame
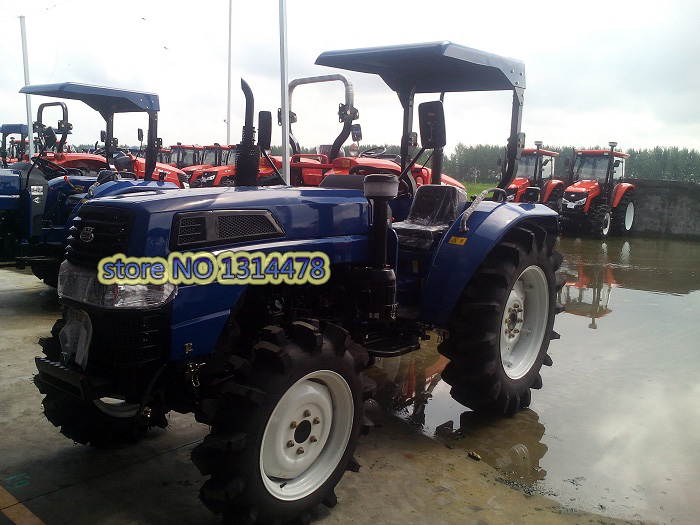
439,67
108,101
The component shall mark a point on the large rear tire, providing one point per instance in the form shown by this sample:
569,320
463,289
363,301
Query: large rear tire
623,215
500,330
284,432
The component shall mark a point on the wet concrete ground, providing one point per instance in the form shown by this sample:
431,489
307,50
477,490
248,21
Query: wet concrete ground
615,428
613,431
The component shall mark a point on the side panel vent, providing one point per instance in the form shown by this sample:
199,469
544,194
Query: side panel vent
192,230
211,228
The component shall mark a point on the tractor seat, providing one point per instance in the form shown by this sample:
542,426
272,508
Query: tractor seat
433,210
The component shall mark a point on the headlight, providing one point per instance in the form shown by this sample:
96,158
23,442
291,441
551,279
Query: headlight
81,285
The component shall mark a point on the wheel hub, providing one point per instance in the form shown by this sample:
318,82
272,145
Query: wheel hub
524,322
306,435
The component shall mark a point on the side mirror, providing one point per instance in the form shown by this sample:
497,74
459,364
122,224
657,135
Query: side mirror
356,131
140,135
49,137
115,142
412,139
432,125
546,161
103,136
617,163
264,130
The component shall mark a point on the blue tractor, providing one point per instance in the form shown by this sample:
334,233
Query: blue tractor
38,198
276,369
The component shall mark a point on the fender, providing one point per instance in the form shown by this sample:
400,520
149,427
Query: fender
549,187
454,264
620,190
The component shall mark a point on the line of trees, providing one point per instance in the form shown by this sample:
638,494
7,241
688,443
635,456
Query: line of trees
479,163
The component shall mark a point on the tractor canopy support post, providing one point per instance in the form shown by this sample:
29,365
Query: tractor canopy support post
406,98
152,146
516,140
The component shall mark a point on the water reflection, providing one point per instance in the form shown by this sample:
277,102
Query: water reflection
614,430
410,386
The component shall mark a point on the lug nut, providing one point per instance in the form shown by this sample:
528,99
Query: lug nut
313,439
300,450
307,413
293,424
290,443
317,420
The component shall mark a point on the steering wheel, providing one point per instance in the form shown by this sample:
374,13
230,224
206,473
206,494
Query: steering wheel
373,153
47,164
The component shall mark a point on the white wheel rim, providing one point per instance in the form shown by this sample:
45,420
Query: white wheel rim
629,216
306,435
116,407
606,223
524,322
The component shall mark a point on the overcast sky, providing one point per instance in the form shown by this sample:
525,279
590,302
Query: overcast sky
596,72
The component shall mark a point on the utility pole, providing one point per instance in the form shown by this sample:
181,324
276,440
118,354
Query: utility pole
285,90
228,98
30,135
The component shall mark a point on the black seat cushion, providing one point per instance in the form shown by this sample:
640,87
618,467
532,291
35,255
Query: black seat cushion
434,208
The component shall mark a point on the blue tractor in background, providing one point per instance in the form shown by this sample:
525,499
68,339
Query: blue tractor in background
276,369
39,197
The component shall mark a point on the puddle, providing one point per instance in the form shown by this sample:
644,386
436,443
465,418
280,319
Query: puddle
615,428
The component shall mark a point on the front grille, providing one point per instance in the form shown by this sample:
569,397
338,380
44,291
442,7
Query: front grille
127,338
98,232
234,226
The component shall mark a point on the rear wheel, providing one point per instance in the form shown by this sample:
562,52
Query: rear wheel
599,221
284,432
501,327
623,215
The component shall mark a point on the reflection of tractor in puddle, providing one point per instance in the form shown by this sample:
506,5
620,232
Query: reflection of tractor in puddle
587,294
513,446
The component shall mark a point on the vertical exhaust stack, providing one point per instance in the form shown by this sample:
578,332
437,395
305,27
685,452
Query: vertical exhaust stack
247,153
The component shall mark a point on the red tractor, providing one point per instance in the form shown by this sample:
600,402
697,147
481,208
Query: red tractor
537,183
597,201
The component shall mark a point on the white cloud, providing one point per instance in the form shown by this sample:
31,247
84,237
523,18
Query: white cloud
609,71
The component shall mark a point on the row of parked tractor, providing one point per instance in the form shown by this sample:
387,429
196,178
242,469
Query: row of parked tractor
594,199
276,370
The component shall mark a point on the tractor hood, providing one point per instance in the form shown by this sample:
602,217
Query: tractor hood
300,213
518,183
582,186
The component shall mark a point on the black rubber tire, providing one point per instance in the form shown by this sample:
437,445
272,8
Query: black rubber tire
555,199
47,272
82,421
230,454
619,214
599,216
476,372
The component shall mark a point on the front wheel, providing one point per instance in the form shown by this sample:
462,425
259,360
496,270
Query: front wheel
284,432
500,329
600,221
